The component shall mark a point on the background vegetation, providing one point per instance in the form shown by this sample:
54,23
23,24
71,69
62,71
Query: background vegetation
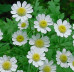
67,7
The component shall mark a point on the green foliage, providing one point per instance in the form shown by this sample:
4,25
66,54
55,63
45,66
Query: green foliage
59,69
54,10
72,13
9,26
68,8
37,8
72,16
8,29
4,8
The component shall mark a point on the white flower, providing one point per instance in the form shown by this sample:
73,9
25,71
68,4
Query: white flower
23,25
8,64
62,28
62,58
39,42
43,22
73,36
21,11
36,57
73,26
1,35
19,70
19,38
71,62
47,67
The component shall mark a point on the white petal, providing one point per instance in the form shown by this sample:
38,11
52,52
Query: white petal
18,3
59,22
29,16
24,4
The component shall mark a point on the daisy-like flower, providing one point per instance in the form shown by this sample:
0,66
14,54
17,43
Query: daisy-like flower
47,67
21,11
71,62
8,64
62,58
62,28
23,25
19,70
36,57
19,38
1,35
73,40
43,22
39,42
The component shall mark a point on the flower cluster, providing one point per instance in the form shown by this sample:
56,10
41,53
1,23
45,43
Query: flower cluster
39,42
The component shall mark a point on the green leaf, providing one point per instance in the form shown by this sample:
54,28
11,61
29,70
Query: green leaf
72,16
54,8
4,8
56,1
8,28
37,8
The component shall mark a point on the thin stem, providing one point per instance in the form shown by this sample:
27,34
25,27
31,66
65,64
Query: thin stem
29,69
59,41
37,70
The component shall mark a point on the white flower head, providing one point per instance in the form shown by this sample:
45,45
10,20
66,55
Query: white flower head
21,11
36,57
42,23
19,70
19,38
71,62
23,25
39,42
47,67
8,64
62,28
62,58
1,35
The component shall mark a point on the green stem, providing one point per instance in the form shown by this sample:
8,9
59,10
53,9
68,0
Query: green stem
59,41
37,70
29,69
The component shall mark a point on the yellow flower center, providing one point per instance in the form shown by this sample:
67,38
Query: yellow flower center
36,57
63,58
47,68
62,28
43,24
73,63
21,11
6,65
20,38
39,43
23,25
